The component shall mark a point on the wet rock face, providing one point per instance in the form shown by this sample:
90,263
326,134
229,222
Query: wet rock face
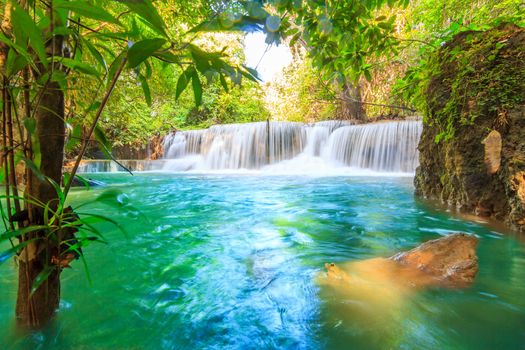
451,259
480,168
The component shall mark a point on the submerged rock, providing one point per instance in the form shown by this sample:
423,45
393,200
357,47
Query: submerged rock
451,259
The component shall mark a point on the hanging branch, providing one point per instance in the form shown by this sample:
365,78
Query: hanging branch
94,125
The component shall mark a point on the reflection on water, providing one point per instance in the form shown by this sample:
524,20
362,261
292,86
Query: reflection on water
231,262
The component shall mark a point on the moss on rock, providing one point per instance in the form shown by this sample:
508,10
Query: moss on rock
478,85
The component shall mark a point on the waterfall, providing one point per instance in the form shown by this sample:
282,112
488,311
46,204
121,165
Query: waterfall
390,146
380,147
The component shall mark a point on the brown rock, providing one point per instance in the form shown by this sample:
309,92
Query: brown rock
156,147
451,259
492,151
518,185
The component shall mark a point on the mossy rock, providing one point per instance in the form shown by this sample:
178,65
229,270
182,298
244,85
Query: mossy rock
477,86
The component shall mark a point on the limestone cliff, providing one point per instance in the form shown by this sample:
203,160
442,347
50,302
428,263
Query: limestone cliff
472,150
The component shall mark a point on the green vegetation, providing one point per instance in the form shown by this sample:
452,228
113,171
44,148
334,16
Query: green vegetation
393,80
486,77
79,71
129,120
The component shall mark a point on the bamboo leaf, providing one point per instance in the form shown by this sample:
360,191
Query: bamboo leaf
96,54
115,66
84,181
183,81
19,49
145,89
142,50
42,277
20,232
88,10
105,147
22,19
74,137
251,74
30,125
223,82
100,136
86,269
103,219
34,169
78,66
148,13
113,197
197,88
7,254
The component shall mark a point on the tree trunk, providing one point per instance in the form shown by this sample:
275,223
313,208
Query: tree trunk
34,310
351,105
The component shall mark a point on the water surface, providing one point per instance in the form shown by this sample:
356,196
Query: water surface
229,262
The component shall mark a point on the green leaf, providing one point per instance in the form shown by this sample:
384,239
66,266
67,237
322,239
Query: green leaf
105,147
113,197
5,255
42,277
93,107
30,125
34,169
78,66
21,19
10,62
88,10
84,181
142,50
223,83
251,74
183,81
367,75
115,66
17,233
96,54
295,38
167,57
197,88
101,218
147,11
100,136
20,50
145,88
74,137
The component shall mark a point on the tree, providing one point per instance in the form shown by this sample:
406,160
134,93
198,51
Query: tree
47,47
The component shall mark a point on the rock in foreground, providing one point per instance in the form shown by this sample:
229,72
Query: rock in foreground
451,259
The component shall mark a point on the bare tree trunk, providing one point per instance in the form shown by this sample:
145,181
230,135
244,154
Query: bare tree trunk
351,105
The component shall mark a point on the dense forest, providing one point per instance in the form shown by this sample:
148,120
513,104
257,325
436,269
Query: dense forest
117,75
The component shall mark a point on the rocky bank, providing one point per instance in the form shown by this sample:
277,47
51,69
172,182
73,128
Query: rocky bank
472,150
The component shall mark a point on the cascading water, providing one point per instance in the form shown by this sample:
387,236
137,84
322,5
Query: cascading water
380,147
